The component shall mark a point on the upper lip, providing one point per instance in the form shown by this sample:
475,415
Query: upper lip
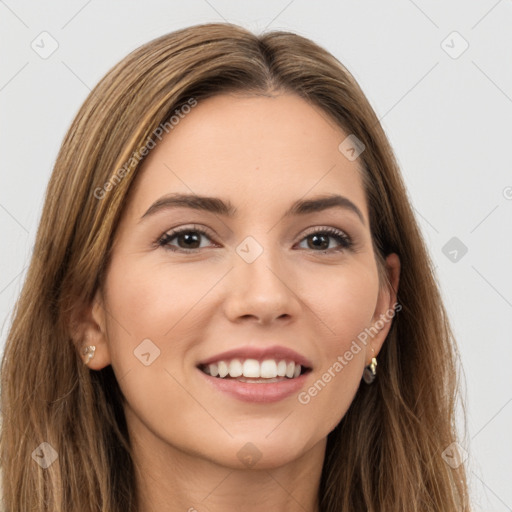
260,353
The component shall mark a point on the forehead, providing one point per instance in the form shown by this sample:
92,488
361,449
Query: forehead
257,151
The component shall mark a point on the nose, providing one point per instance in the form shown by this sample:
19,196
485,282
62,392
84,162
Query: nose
262,291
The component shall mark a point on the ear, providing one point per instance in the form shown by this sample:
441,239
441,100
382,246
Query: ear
385,308
89,328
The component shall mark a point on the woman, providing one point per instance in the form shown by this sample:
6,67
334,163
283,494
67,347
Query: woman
229,305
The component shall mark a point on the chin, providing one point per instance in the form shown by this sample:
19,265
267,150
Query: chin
261,452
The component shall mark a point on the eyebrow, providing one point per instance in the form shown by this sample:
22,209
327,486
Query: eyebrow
225,208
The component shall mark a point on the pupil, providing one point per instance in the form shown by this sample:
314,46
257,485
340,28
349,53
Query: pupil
193,238
324,241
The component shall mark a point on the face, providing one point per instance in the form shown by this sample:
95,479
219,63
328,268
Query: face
259,280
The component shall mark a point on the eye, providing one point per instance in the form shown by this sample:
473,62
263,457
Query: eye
319,240
188,239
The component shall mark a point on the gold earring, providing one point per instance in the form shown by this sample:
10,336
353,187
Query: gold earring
88,352
370,371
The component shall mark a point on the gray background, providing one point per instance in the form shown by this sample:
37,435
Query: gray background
447,112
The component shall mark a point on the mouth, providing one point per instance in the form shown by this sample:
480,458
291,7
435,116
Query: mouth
255,371
255,374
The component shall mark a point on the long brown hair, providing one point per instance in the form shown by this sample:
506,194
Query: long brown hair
385,454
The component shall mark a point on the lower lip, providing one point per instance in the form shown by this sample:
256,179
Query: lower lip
257,392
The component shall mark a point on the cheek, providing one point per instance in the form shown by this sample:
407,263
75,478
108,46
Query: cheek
150,315
345,305
345,302
143,310
148,301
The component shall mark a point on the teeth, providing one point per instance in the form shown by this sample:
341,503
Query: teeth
235,368
268,370
251,368
213,370
223,369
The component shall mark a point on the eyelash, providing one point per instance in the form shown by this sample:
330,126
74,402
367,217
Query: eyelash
345,241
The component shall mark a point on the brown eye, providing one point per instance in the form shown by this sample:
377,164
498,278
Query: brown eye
320,240
187,239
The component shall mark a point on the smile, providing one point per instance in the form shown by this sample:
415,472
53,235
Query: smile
252,370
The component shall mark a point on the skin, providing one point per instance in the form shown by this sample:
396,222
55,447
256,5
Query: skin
261,153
